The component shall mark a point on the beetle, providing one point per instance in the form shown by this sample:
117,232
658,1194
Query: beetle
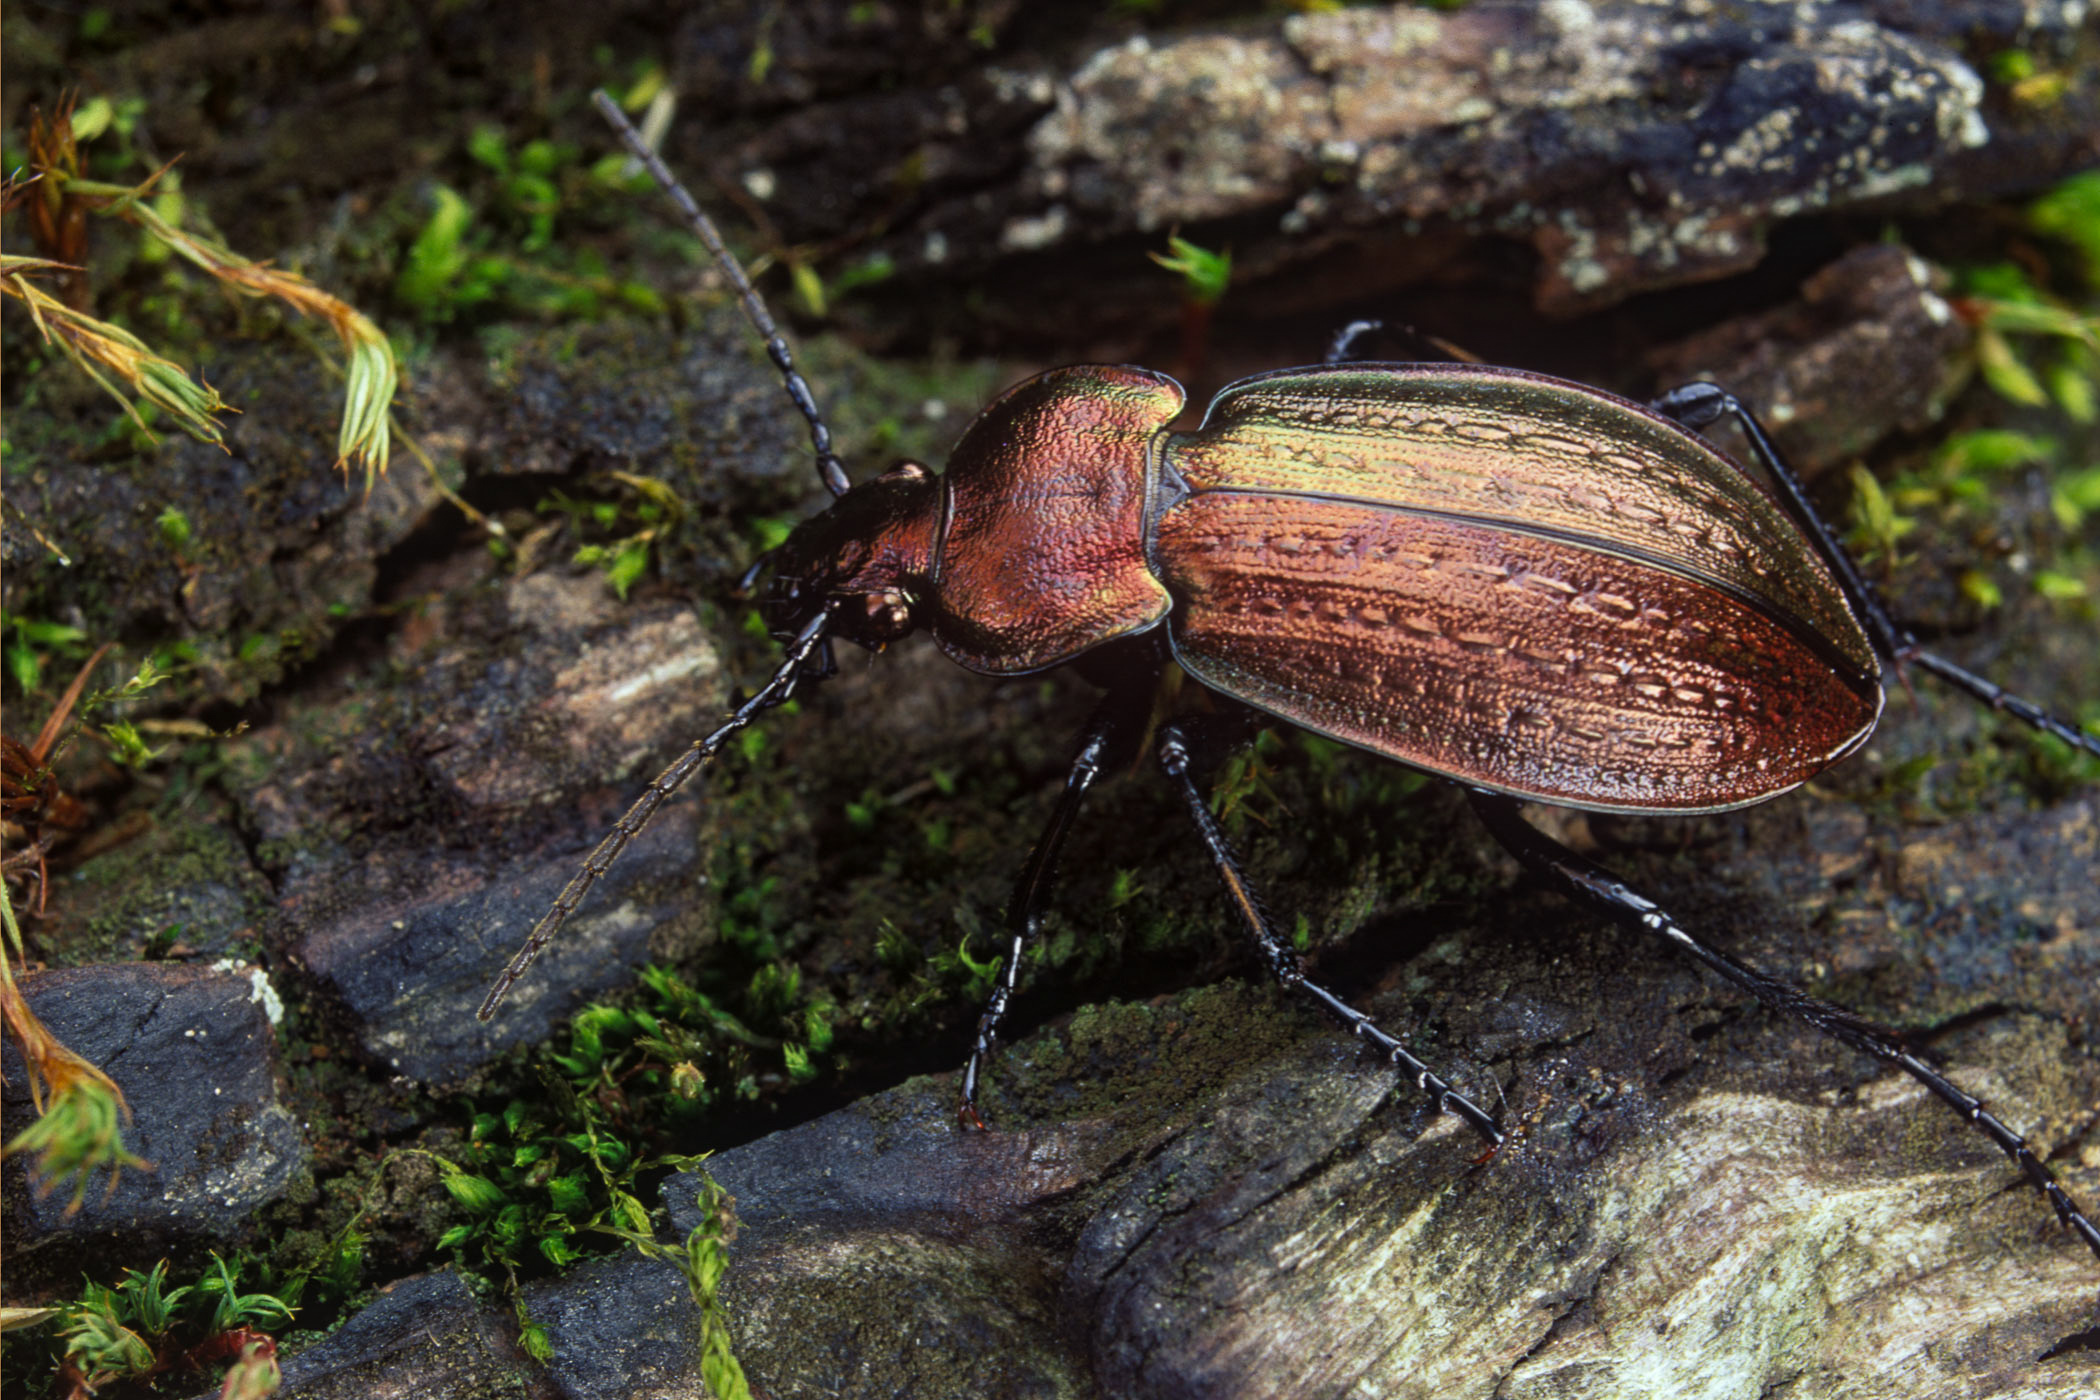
1529,587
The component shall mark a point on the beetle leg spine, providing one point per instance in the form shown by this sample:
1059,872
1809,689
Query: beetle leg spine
1119,715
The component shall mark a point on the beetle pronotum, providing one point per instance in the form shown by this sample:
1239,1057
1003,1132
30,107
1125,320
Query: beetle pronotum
1535,589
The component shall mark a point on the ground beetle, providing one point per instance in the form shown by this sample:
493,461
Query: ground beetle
1534,589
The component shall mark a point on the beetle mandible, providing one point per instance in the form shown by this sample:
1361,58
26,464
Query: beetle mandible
1529,587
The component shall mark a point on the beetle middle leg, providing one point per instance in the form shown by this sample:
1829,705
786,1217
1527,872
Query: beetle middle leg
1598,887
1175,749
1699,405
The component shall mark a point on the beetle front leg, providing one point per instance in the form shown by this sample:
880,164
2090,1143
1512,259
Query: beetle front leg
1119,716
1701,404
1596,886
1283,960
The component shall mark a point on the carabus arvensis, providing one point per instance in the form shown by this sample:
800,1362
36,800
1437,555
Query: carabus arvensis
1534,589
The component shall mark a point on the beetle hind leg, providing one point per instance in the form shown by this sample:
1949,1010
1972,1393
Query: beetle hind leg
1283,960
1596,886
1700,405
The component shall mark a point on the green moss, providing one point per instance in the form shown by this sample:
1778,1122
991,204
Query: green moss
185,882
146,1325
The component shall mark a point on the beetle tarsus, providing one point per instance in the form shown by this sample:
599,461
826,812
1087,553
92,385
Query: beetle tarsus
1597,886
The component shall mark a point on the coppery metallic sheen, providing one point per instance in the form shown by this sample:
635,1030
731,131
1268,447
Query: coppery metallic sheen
1513,581
877,539
1042,548
1509,580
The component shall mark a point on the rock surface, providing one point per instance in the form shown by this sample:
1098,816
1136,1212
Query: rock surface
193,1051
1289,1229
1869,348
415,836
1630,145
419,852
276,548
622,1329
187,890
425,1336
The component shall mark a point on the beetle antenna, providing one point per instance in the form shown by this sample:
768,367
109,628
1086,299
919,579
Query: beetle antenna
778,690
829,469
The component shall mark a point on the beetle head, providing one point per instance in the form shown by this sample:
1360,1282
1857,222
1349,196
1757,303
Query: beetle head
872,551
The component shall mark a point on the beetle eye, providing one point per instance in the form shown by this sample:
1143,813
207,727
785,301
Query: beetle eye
888,616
